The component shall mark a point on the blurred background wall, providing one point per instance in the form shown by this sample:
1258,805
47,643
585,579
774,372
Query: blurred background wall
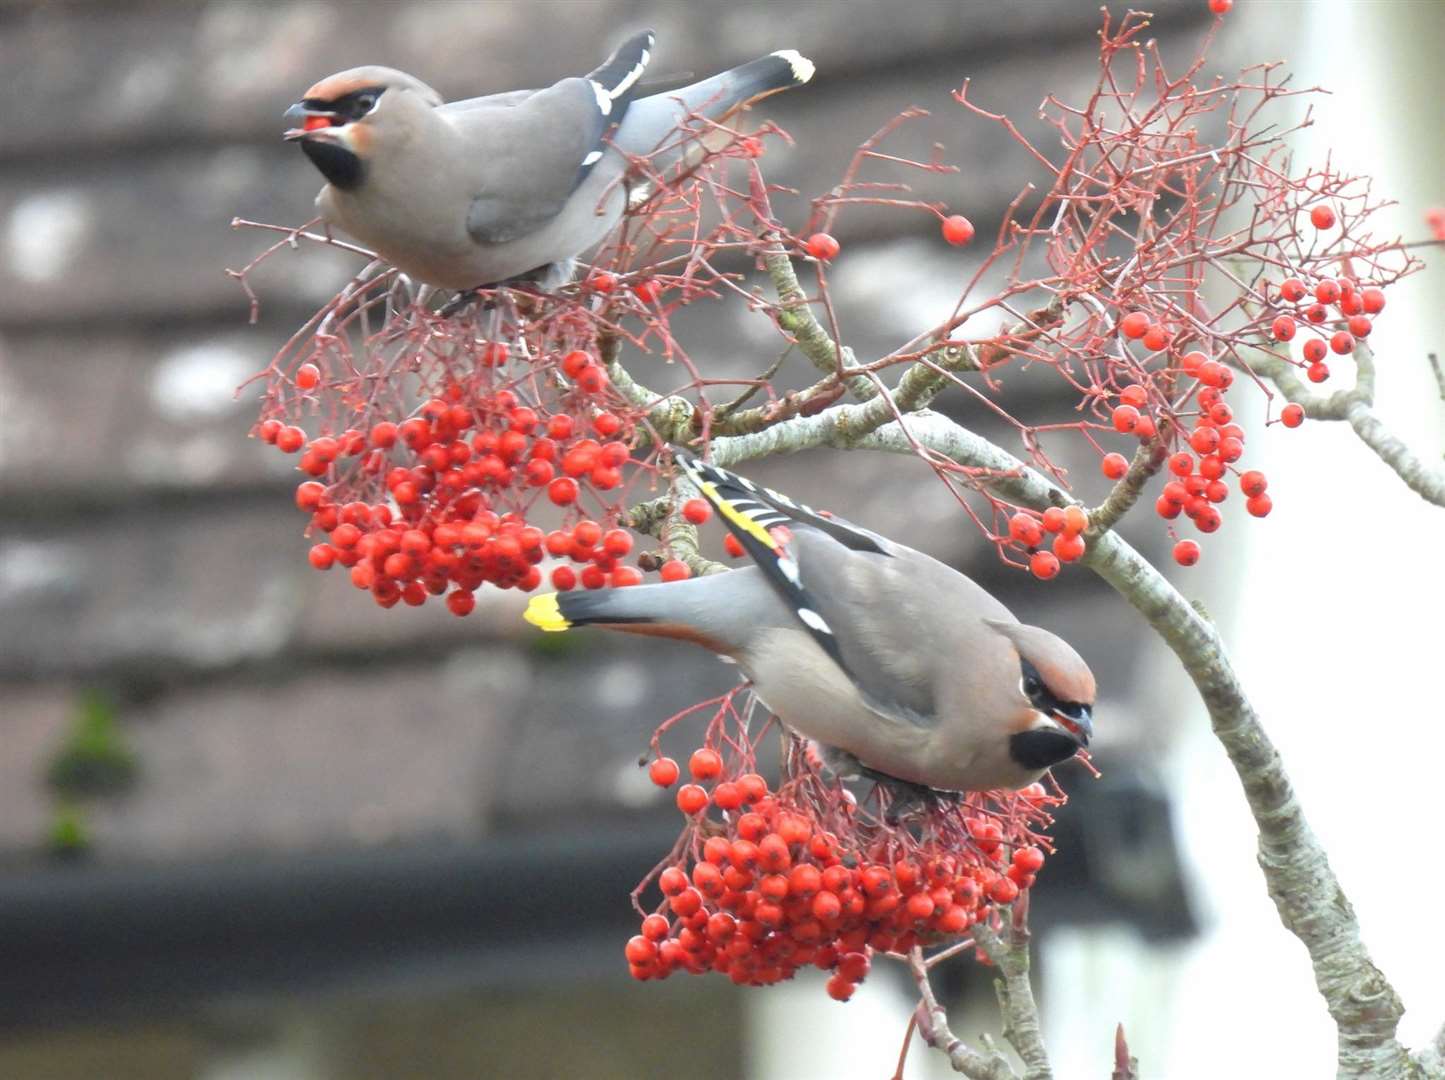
251,826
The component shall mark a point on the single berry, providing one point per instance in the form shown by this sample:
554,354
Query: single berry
1186,552
1293,290
1314,350
822,246
1025,529
674,570
705,764
1044,565
1181,464
1317,372
1134,325
1374,299
1260,505
1292,415
1115,466
1220,7
307,376
957,230
697,511
691,799
647,291
1125,418
1327,291
1360,325
663,772
1156,339
1253,483
1342,343
1322,217
1283,328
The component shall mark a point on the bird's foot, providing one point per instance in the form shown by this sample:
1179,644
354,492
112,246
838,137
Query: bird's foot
907,799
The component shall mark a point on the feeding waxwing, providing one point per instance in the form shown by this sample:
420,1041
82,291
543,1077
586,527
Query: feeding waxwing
478,192
877,652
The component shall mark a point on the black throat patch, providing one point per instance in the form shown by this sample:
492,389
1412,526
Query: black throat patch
1041,748
339,165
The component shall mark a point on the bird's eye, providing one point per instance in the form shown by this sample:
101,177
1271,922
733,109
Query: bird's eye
366,102
1032,686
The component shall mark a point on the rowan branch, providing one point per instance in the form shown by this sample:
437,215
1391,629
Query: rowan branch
1355,406
1309,898
1009,952
933,1027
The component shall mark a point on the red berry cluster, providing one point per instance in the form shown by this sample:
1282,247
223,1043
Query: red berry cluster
1065,524
764,883
440,501
1330,331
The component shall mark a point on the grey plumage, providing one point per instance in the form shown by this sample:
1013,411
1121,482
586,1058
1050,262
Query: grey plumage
478,192
865,645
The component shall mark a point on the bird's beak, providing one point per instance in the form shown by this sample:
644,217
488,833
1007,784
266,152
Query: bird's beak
1081,727
304,120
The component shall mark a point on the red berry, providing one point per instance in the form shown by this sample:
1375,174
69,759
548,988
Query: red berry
1314,350
1186,552
840,989
1068,546
1205,440
572,365
691,799
957,230
1342,343
1292,415
1134,325
625,577
1134,395
322,556
704,764
647,291
1374,300
1360,325
1293,290
1115,466
1253,483
663,772
1075,520
1317,372
290,439
675,570
822,246
1156,338
307,376
1044,565
562,491
1260,505
1220,7
1191,362
602,282
461,602
697,511
1327,291
1125,418
1322,217
1181,464
1025,529
1053,519
1283,328
1003,891
564,578
732,546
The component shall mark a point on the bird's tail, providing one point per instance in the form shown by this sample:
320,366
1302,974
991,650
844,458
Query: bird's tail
781,70
634,605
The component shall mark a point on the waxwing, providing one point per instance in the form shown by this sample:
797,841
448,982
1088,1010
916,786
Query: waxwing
885,657
483,191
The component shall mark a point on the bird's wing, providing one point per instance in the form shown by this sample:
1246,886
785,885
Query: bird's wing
532,149
872,605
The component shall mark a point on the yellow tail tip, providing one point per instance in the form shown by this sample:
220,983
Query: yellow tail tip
543,613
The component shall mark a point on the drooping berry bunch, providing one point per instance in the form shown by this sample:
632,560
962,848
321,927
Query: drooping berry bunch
438,498
765,882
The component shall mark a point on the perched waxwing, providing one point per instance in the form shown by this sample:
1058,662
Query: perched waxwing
479,192
885,657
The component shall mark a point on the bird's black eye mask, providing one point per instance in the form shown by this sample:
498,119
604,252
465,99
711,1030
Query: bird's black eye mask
1041,698
343,110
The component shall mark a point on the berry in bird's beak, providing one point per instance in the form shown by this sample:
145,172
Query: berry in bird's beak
304,121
